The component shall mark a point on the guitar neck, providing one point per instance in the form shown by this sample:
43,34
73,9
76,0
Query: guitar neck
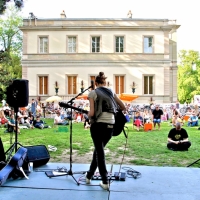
65,105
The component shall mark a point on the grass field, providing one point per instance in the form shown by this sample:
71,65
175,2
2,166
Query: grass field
143,148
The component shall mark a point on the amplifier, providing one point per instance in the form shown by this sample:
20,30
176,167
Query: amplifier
38,155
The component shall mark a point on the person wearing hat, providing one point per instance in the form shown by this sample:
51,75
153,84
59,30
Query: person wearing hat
178,139
156,116
193,120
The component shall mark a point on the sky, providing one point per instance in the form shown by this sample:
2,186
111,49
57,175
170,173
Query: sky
184,11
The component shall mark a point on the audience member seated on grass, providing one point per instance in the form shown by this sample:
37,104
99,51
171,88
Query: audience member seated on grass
38,123
87,124
138,121
22,116
157,113
178,139
146,116
78,118
12,126
87,107
58,120
165,116
6,107
193,120
3,119
125,112
189,112
176,119
7,113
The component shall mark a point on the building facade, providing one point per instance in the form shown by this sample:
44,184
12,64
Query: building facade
68,53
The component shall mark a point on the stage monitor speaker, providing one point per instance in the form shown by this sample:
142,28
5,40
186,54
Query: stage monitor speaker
38,155
18,93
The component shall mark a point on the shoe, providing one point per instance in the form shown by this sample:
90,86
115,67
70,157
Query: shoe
49,126
41,126
52,148
104,186
87,180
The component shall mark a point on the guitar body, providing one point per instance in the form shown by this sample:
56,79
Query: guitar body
15,163
120,121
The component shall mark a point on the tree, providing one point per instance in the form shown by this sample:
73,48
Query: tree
3,5
188,79
11,47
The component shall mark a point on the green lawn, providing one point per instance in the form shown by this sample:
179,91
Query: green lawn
143,148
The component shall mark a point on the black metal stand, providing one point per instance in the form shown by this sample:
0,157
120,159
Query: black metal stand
193,162
70,172
44,107
14,145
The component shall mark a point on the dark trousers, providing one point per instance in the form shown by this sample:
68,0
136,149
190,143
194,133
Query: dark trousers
181,146
101,133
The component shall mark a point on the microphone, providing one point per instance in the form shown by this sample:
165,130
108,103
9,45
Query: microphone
92,85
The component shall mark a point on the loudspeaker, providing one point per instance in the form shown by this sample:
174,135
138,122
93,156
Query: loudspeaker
38,155
18,93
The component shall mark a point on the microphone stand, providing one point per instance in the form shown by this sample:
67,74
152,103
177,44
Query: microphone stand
70,172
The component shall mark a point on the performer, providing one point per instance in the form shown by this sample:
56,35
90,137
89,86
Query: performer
101,115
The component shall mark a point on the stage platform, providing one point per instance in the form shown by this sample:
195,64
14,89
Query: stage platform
155,183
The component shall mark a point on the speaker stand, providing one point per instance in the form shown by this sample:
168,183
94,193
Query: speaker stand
16,143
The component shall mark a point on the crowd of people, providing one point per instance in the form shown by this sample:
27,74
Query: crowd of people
21,118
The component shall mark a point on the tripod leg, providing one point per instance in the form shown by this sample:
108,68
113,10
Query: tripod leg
193,163
75,179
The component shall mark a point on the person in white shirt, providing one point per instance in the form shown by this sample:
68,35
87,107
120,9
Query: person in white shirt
58,120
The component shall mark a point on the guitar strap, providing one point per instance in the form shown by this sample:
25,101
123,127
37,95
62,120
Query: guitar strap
107,92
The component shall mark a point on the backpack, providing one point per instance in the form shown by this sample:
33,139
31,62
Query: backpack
3,121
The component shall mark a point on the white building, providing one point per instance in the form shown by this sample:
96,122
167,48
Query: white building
127,50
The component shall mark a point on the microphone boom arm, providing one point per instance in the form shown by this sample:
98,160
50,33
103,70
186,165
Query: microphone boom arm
71,100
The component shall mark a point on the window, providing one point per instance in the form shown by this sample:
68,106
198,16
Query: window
43,85
71,44
148,84
119,84
95,44
92,79
72,84
148,44
43,44
119,44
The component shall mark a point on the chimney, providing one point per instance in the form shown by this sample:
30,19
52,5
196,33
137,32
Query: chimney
62,14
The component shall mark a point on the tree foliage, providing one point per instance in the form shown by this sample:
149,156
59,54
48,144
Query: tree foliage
10,47
4,3
188,79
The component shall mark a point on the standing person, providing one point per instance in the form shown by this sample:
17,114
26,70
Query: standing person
157,113
33,107
178,139
152,107
177,104
101,114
